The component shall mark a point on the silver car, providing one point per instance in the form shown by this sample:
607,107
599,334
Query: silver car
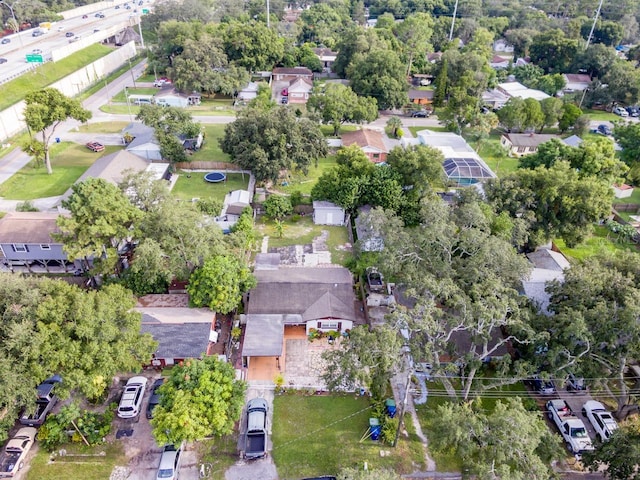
169,467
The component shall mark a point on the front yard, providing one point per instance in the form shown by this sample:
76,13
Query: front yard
69,161
87,463
319,435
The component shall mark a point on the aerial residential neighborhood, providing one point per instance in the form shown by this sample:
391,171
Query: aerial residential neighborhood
324,239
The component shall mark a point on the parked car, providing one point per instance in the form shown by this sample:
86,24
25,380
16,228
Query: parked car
117,7
575,383
420,114
154,400
603,422
161,82
46,399
570,427
256,435
3,60
543,387
633,111
169,467
95,146
5,40
620,111
14,453
131,401
284,100
69,34
604,130
85,16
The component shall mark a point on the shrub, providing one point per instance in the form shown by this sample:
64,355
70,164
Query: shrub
59,428
296,198
27,206
209,206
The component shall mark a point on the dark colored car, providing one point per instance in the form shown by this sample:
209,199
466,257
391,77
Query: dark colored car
604,130
543,387
69,34
155,397
634,111
95,146
420,114
3,60
85,16
284,100
575,383
5,40
117,7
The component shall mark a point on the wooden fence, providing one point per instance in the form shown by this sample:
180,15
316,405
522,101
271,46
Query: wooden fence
206,166
626,207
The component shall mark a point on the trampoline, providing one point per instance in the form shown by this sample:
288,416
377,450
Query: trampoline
215,177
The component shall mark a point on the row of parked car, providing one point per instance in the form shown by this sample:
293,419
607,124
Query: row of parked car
632,111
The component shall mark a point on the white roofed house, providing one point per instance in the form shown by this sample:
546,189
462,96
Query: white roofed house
521,144
548,265
327,213
516,89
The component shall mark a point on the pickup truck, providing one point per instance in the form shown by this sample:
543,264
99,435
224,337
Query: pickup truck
602,421
13,455
571,427
256,436
45,401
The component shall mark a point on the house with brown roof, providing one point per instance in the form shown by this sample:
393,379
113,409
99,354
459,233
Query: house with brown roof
26,243
421,97
520,144
283,73
370,141
498,62
576,82
292,85
327,57
290,303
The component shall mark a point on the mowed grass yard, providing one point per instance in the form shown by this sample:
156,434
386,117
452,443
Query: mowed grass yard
319,435
601,241
192,185
211,151
68,160
301,230
103,127
91,465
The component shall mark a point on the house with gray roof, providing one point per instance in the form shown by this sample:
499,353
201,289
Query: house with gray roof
177,341
548,265
327,213
521,144
27,243
143,141
573,141
298,299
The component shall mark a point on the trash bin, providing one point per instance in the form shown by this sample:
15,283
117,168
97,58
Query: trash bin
390,406
57,139
375,428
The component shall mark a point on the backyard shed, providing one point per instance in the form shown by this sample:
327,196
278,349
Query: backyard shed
327,213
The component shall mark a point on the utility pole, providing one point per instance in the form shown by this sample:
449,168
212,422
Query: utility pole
268,16
595,20
453,20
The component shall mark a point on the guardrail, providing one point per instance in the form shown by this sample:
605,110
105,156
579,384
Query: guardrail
28,67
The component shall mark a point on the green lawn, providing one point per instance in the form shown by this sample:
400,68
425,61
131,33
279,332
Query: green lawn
87,467
69,161
319,435
121,109
601,115
601,241
493,155
192,185
327,130
296,181
414,130
208,108
46,74
210,151
303,231
219,452
108,79
13,143
103,127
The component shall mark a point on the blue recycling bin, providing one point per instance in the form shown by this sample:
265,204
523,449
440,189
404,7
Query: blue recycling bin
375,428
390,407
57,139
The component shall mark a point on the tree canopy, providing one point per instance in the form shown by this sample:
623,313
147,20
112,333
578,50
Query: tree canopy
338,104
45,110
199,399
269,141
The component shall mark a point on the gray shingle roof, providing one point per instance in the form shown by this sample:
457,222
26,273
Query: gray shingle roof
179,340
264,336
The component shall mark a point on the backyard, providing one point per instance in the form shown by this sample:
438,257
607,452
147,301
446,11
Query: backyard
210,150
601,241
319,435
69,162
192,185
297,181
301,230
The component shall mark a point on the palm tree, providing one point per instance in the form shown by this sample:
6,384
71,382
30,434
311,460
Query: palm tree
394,123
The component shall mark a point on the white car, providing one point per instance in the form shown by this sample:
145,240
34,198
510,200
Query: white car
620,111
169,467
603,422
131,402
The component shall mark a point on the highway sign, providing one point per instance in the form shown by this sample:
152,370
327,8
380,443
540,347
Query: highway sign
31,58
145,11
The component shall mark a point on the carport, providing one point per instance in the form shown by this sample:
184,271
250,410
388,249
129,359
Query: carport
262,346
